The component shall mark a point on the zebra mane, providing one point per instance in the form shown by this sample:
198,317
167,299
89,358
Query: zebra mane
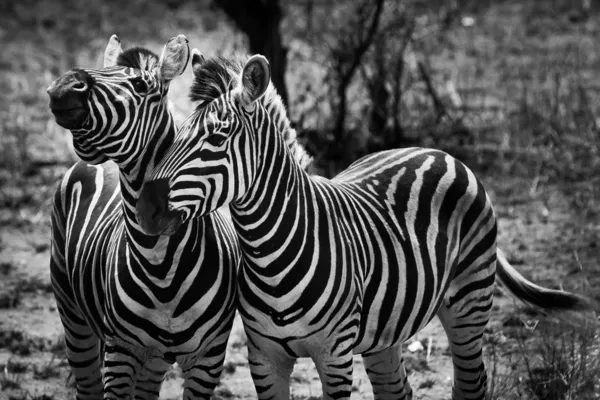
139,58
219,75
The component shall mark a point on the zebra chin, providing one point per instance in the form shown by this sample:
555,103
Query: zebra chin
72,119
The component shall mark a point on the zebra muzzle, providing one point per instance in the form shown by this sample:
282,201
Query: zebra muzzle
68,99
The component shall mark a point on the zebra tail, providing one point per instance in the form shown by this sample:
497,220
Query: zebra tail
551,301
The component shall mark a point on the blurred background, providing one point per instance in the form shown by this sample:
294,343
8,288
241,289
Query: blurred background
511,88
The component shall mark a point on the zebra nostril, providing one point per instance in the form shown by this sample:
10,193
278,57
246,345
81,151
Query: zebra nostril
79,86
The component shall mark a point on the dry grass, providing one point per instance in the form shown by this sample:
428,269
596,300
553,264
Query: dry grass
544,361
49,369
566,363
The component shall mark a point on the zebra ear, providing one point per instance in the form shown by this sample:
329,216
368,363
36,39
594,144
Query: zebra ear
174,58
197,60
112,52
256,76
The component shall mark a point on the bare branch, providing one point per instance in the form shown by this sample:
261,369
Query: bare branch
260,21
348,61
437,102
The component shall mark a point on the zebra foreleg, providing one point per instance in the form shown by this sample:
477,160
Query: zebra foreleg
336,375
150,379
270,371
387,374
121,368
83,353
202,374
83,347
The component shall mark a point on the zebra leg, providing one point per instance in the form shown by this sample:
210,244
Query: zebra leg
121,368
83,353
387,374
336,375
270,369
150,379
202,374
464,317
83,347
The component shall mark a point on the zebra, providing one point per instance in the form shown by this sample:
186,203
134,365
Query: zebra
133,304
331,268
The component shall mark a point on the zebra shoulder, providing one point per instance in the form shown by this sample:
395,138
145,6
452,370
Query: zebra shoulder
84,180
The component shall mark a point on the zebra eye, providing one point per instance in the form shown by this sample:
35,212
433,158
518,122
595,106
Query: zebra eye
140,85
216,139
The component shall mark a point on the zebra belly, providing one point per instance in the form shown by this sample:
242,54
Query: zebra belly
313,333
296,339
400,300
304,341
394,333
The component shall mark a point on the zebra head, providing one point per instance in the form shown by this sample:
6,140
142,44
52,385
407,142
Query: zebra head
112,112
214,157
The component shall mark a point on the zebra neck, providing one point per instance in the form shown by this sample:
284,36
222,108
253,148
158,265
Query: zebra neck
273,212
148,250
138,163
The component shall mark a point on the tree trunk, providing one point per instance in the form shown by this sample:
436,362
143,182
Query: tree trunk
349,59
260,21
